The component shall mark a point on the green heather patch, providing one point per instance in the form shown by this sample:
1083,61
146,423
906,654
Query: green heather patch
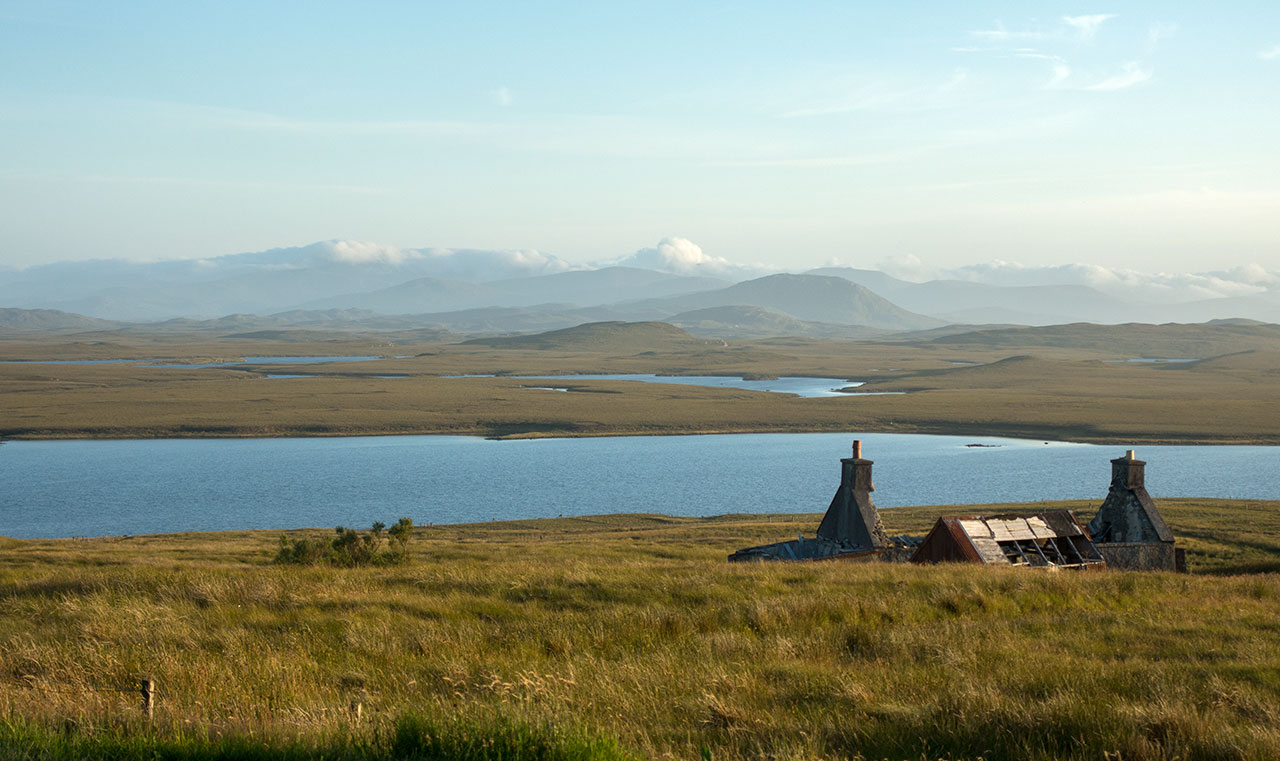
631,635
411,736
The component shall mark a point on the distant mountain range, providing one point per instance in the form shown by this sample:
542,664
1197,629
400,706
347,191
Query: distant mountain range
603,336
344,285
19,321
582,287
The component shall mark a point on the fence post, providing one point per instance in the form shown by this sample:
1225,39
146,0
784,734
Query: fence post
148,695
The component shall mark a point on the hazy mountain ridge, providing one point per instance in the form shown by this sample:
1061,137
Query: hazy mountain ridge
1134,340
813,298
969,302
554,293
579,287
763,322
50,321
597,336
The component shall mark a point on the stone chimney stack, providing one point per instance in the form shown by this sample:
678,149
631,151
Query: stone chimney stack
855,472
1128,472
852,518
1128,514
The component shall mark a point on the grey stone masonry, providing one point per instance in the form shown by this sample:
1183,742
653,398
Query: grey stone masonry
852,519
1128,514
1141,556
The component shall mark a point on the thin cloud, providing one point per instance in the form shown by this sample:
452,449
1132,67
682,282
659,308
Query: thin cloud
1035,54
502,96
1087,26
1061,72
1131,74
1000,33
1160,30
1271,54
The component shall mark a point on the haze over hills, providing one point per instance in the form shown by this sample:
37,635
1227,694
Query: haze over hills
471,290
762,322
806,297
582,287
18,321
603,336
968,302
1174,340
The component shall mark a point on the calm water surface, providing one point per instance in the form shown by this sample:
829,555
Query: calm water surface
170,362
807,387
91,488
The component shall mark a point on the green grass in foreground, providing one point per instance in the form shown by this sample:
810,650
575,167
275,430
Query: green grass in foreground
412,736
617,635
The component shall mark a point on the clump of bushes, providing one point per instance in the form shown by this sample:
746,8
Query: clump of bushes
349,548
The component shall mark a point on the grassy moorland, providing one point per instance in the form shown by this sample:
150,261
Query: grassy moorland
1043,387
619,636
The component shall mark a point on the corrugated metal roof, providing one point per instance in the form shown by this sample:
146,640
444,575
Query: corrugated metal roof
1047,539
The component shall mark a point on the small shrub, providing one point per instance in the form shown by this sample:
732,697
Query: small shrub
349,548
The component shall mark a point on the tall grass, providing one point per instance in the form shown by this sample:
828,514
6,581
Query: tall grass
411,737
636,629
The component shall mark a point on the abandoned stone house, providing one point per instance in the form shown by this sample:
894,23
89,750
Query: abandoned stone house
851,529
1127,532
1128,528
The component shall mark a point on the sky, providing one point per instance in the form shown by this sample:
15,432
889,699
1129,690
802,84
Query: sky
789,135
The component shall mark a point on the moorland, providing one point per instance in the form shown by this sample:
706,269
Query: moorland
1067,382
630,636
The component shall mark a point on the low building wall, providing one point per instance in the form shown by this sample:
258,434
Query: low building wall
1139,556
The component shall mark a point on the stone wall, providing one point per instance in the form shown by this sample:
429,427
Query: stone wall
1139,556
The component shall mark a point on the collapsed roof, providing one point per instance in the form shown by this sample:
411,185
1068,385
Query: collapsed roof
1048,540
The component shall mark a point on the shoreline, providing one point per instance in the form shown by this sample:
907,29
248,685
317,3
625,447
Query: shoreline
633,522
551,433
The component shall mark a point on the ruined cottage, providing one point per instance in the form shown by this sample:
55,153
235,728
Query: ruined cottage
1128,529
1047,540
1127,533
850,529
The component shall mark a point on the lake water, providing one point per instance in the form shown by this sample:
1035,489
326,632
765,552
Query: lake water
269,361
92,488
170,362
807,387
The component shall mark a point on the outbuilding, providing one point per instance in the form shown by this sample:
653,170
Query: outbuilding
1046,540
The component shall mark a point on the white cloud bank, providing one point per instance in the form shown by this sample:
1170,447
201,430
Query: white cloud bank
1270,54
473,265
361,252
681,256
1151,287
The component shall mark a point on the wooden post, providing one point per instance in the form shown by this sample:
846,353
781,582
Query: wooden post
148,695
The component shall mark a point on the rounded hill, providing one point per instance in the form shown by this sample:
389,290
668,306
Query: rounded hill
601,336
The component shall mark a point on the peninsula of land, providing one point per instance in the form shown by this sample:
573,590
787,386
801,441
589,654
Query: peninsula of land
1209,383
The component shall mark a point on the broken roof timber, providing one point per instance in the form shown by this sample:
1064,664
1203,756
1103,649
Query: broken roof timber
1053,539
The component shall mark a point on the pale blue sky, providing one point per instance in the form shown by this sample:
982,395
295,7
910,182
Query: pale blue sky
1140,134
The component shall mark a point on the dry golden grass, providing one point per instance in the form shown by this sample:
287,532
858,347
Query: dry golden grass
636,627
1036,398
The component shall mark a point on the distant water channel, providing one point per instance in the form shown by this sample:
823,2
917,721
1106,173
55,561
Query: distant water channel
807,387
93,488
173,363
